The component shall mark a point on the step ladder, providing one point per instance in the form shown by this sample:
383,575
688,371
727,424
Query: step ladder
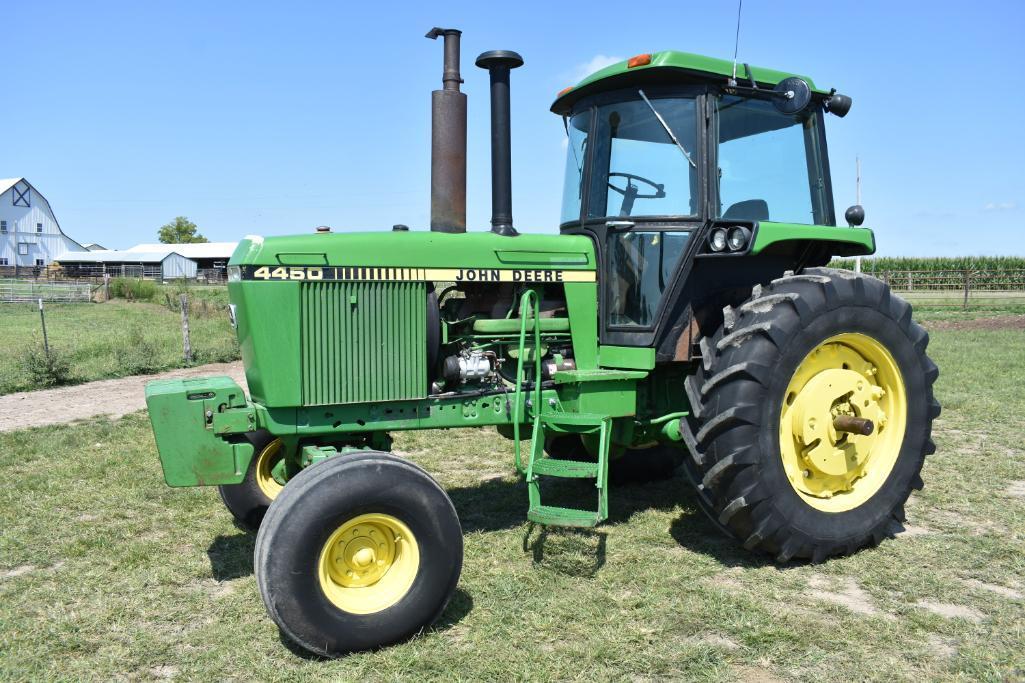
551,421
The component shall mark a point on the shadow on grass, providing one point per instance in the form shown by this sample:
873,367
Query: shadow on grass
497,505
231,557
569,551
501,504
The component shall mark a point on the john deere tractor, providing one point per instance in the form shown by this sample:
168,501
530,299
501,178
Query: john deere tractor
682,318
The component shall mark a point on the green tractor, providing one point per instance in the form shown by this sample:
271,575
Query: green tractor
682,319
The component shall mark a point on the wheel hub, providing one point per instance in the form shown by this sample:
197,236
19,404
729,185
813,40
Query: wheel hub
836,437
368,563
362,555
827,395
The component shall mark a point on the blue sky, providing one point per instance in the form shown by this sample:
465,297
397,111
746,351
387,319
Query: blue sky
273,118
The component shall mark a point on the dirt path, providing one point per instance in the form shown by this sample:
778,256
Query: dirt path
113,397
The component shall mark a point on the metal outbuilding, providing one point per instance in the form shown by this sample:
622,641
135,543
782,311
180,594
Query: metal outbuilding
207,255
157,265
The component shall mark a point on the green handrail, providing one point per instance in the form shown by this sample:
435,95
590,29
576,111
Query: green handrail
529,303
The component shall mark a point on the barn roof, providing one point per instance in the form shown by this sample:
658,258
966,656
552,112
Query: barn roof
116,256
193,250
8,183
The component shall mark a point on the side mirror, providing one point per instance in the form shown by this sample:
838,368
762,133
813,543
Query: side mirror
791,95
855,215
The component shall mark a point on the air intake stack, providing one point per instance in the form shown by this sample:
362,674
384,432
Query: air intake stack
448,141
499,63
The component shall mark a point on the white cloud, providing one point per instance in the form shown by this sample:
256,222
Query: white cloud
999,206
597,62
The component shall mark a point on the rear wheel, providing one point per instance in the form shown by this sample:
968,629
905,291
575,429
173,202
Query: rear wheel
812,413
248,501
358,552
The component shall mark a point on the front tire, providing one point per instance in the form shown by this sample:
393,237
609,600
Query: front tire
248,501
358,552
772,469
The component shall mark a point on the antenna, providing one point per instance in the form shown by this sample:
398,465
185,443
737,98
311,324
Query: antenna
857,180
857,200
736,40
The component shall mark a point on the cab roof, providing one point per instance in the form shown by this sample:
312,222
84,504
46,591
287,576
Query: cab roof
668,67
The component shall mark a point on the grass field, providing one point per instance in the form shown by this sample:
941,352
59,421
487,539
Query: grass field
112,339
106,573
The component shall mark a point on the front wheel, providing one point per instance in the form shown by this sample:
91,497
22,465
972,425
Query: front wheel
248,501
812,413
358,552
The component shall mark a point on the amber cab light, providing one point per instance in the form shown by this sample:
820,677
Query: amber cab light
639,60
564,91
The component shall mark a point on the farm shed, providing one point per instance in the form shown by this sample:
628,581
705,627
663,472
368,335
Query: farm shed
30,237
209,256
156,265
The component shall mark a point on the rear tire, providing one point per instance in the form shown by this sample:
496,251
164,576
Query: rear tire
760,477
358,552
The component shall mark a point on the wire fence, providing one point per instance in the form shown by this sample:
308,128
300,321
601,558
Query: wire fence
97,272
964,288
58,291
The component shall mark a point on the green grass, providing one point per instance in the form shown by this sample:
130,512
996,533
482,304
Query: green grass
113,339
106,573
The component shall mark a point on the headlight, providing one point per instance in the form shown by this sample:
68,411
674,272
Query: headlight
717,240
737,238
234,273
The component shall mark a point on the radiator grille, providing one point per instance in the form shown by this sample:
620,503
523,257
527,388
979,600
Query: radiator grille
363,341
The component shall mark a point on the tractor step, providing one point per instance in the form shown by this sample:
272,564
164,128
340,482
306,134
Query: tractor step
550,515
540,466
537,465
573,469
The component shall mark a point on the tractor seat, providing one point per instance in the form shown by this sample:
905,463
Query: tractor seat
512,325
748,210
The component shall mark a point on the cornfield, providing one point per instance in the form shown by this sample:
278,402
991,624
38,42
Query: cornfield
879,264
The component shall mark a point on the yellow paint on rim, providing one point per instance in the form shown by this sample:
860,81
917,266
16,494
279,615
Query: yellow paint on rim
368,564
265,461
847,374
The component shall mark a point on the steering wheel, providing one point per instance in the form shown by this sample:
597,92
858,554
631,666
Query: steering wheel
631,193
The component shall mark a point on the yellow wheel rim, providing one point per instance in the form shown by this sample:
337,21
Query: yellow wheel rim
368,563
265,461
846,375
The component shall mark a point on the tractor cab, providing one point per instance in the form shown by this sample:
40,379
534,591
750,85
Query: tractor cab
669,158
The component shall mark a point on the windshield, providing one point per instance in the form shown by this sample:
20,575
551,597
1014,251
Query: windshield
771,165
643,159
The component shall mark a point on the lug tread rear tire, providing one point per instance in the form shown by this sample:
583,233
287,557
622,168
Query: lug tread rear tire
734,427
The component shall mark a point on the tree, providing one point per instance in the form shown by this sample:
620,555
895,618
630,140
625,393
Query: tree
180,231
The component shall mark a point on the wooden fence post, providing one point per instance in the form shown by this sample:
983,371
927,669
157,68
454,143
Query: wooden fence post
106,286
966,278
186,342
42,319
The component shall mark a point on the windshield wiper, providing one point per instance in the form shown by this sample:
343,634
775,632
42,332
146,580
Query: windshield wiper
666,127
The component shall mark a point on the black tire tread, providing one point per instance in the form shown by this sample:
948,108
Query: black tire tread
737,353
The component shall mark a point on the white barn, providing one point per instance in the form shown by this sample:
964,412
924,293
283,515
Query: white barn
30,237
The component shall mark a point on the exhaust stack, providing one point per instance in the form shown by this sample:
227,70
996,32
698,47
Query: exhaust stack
448,141
499,63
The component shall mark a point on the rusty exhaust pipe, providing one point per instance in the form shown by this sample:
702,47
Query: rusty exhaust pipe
448,141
